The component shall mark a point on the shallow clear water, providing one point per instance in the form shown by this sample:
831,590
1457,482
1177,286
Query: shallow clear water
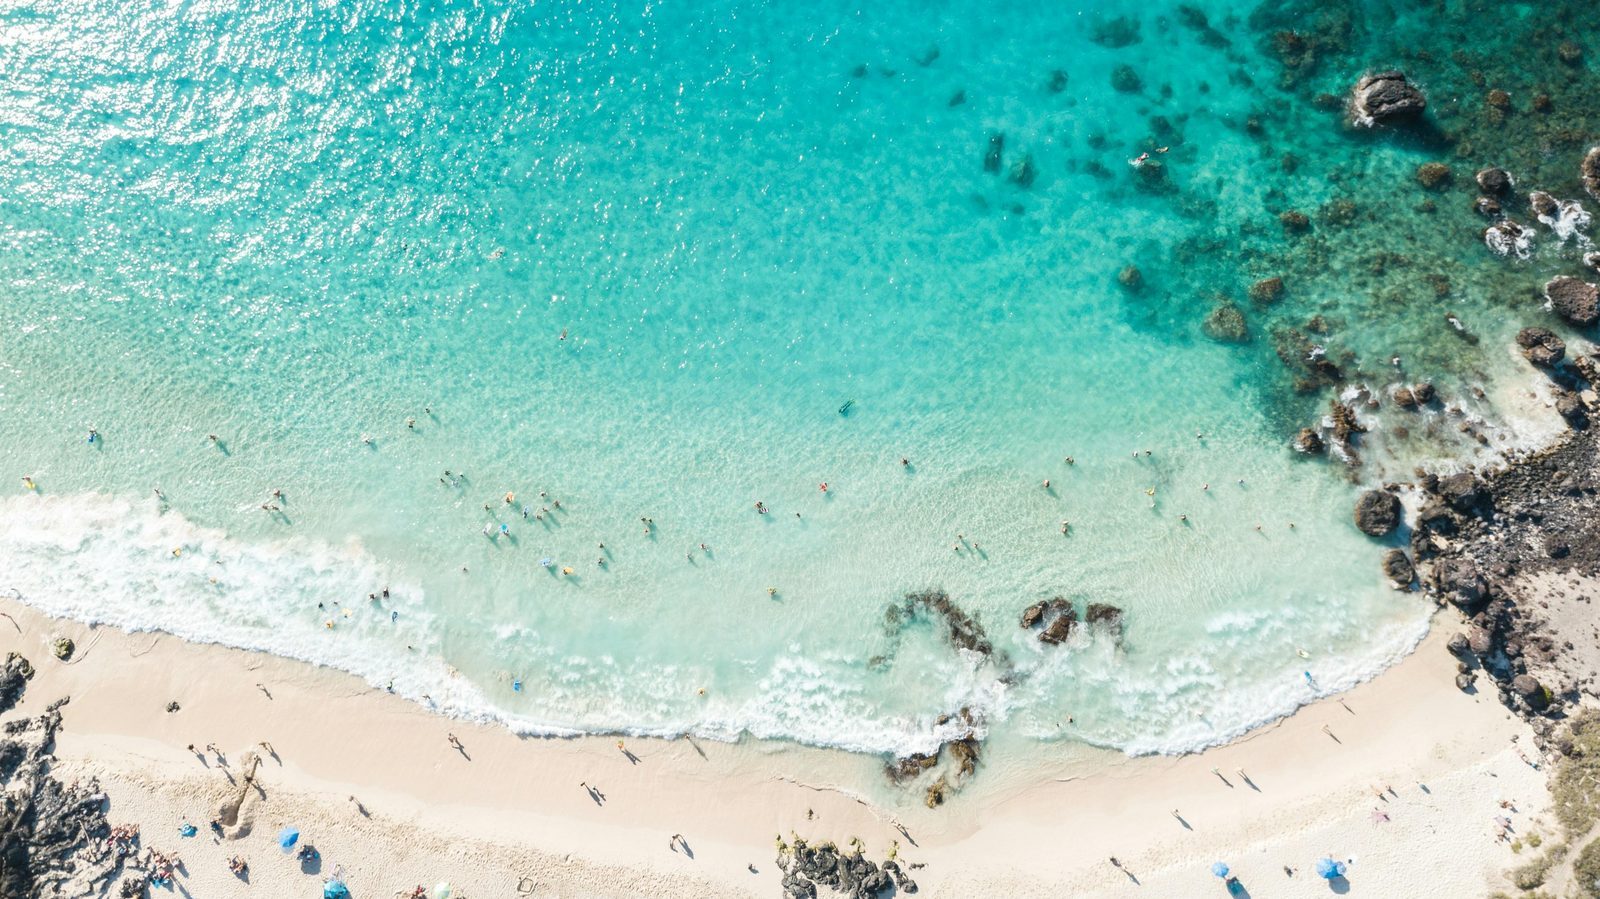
638,257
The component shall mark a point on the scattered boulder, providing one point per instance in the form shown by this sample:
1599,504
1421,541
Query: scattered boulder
1378,513
1541,346
1385,98
1433,175
1465,681
1494,181
63,648
1397,568
1488,207
1308,441
1458,645
1424,393
1480,641
1404,397
1576,301
1226,323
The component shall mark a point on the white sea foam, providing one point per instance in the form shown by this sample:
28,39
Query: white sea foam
109,560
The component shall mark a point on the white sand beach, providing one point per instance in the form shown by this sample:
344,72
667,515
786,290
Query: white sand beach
373,782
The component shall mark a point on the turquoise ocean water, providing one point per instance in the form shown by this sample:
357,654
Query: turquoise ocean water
636,258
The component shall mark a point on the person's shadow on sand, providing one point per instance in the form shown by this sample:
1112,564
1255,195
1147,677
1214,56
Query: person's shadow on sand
1339,885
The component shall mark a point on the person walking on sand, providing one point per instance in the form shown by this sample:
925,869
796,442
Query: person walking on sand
454,741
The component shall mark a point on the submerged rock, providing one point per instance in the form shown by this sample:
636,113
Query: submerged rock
962,630
1131,278
1104,615
1377,513
997,146
1226,323
1023,171
1433,175
1126,80
1541,346
1032,615
1424,393
1385,98
1267,290
1542,203
1576,301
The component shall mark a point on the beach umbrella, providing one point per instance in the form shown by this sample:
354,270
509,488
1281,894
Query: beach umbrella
1328,869
287,837
440,891
335,889
1219,869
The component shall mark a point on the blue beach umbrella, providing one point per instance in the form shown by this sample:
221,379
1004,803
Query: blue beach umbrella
287,837
1328,869
1219,869
335,889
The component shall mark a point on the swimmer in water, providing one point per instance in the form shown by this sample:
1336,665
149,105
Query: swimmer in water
93,435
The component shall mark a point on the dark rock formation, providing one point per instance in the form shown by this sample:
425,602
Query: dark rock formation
1308,441
54,839
1570,408
1459,582
1060,620
1495,182
1541,346
1032,615
1377,513
1576,301
805,867
1542,203
1424,393
1460,490
1528,689
1589,170
1023,172
1397,568
1131,279
1385,98
14,679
